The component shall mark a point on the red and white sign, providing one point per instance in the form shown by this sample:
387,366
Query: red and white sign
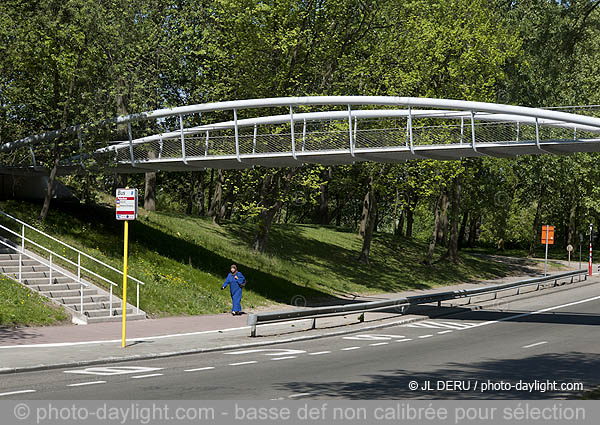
127,204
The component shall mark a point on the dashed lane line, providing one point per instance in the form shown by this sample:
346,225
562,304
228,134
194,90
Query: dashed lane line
146,376
17,392
83,384
378,344
445,332
199,369
284,358
349,348
318,353
535,344
243,363
403,340
426,336
299,395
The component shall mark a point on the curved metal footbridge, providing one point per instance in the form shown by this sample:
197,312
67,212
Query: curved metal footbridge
331,130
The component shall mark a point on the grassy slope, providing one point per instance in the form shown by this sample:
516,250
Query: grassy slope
184,260
19,306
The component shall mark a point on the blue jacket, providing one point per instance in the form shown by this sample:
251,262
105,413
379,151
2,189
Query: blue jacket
234,281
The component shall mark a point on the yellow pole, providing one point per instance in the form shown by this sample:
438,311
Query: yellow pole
124,306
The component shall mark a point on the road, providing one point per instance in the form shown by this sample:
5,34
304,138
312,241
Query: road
548,338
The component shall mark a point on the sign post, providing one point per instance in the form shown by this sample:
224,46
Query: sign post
126,203
569,250
547,239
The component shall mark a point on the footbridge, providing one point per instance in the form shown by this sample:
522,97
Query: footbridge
291,131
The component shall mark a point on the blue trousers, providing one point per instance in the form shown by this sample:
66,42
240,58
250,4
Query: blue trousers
236,296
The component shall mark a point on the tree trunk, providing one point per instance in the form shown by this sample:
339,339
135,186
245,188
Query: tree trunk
50,187
200,200
463,229
473,230
535,231
410,219
400,227
150,188
452,253
572,223
442,236
216,204
271,189
436,224
368,222
150,192
321,213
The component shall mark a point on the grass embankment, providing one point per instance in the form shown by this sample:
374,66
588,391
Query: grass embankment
19,306
183,260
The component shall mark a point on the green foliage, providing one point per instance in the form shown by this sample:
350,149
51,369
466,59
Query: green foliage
21,307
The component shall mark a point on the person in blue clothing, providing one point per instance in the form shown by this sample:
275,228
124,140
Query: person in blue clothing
236,282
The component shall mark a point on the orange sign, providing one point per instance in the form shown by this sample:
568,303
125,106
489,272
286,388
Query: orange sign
548,231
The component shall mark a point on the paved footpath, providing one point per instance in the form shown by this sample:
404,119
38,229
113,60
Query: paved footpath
44,347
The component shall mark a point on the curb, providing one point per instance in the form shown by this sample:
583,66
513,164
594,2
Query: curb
457,308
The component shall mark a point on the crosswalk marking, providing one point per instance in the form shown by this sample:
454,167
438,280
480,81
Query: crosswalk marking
430,324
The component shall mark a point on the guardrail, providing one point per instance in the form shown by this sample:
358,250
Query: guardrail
53,256
402,303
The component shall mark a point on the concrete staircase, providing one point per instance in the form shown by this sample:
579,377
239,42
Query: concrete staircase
64,290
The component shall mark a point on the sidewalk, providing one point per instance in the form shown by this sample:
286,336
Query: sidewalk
46,347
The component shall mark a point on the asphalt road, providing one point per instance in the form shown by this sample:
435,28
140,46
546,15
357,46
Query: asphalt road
549,342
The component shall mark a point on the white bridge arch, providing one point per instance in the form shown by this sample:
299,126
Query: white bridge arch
281,132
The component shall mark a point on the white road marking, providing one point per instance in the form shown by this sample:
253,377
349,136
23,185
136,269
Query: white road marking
82,384
299,395
544,310
284,358
110,371
199,369
268,351
242,363
536,344
458,325
445,332
423,325
350,348
405,339
447,325
17,392
318,353
147,376
377,344
426,336
373,337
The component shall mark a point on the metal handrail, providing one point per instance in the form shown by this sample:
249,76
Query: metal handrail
78,265
70,247
339,310
50,267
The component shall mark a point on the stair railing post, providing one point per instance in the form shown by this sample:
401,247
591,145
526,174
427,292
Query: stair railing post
80,283
50,271
110,301
137,304
21,253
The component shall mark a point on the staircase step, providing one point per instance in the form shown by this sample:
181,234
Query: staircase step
56,287
46,280
132,316
68,301
104,312
15,261
26,268
87,306
68,293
